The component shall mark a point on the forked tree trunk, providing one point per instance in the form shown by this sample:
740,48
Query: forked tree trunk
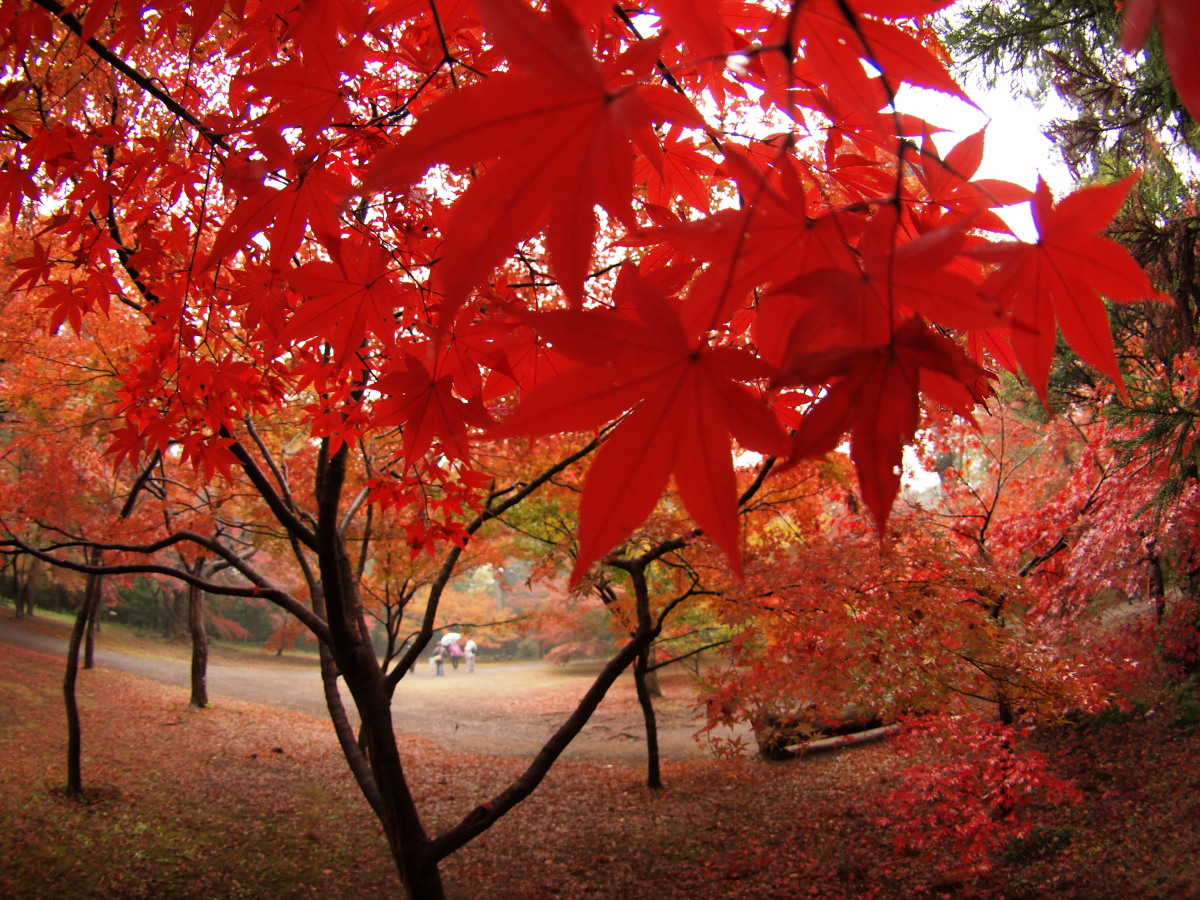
379,770
397,811
354,656
347,651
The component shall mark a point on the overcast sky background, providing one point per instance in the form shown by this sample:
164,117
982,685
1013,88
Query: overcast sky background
1014,148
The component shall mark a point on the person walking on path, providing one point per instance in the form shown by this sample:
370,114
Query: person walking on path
439,659
456,654
469,652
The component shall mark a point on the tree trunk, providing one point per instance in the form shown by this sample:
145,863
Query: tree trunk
74,726
174,609
1004,710
1158,587
641,682
837,742
195,609
641,667
397,812
18,588
89,644
24,597
352,652
352,748
652,672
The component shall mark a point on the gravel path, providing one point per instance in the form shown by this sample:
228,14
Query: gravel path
502,709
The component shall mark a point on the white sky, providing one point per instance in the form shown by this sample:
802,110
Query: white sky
1014,149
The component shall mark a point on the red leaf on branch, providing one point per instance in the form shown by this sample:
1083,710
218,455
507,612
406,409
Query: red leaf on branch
1179,29
678,168
949,183
687,399
282,214
514,352
875,396
425,404
306,94
345,302
1062,278
698,22
834,39
557,131
775,240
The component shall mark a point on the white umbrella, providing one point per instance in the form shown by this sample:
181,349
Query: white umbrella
450,638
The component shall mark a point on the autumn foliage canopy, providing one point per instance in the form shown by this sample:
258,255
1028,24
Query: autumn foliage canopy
694,227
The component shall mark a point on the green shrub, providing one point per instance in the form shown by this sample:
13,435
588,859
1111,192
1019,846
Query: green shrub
1185,704
529,648
1042,842
1112,714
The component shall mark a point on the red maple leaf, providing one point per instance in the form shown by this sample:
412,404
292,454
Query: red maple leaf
345,302
513,352
307,94
557,132
874,395
1179,29
282,214
677,169
896,279
949,185
423,401
1063,278
698,22
834,37
779,237
684,399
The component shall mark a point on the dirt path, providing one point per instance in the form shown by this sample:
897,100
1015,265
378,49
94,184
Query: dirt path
501,709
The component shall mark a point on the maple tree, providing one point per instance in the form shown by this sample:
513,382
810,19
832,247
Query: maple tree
953,638
371,245
1122,118
661,579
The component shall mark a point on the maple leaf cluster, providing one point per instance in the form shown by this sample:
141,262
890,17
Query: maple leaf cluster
699,229
945,797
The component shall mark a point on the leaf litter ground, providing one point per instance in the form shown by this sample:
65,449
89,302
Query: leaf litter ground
242,800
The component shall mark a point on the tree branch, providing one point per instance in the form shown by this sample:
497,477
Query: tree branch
485,815
261,586
278,506
146,84
515,495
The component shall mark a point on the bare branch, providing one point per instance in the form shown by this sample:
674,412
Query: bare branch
279,507
260,585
